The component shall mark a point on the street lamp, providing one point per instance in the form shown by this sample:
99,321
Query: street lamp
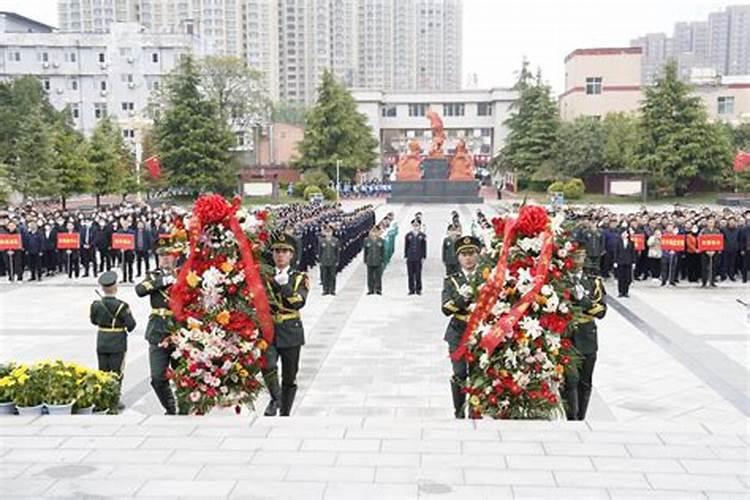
338,175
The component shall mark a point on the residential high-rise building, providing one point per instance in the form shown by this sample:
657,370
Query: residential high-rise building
381,44
720,45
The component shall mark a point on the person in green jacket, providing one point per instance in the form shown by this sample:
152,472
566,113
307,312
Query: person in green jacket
390,241
329,253
450,259
114,320
375,260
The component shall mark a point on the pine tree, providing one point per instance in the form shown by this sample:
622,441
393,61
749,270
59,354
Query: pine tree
193,140
110,168
621,141
32,173
579,148
335,130
73,171
678,144
532,128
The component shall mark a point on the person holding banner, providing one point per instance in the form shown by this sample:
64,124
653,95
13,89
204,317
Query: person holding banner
670,255
88,248
72,254
127,250
33,245
624,263
11,244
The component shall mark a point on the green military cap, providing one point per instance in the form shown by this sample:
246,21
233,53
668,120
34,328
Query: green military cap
164,245
467,243
108,278
284,242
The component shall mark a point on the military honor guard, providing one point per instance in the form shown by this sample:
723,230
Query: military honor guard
459,290
590,296
329,253
156,287
114,320
287,293
415,251
375,257
450,260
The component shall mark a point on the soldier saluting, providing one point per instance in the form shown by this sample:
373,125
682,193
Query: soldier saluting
114,319
287,293
156,286
458,294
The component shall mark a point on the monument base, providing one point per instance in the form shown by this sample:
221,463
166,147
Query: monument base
435,191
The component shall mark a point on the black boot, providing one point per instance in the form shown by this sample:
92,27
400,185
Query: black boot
584,395
571,398
272,383
164,393
287,399
459,399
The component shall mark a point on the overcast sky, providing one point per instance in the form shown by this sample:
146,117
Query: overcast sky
498,33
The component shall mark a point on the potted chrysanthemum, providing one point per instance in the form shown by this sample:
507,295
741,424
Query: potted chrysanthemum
28,389
61,389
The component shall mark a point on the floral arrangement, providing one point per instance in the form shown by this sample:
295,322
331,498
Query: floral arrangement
26,384
517,337
223,318
59,380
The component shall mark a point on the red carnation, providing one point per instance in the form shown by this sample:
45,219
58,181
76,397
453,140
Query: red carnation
212,208
554,322
231,289
493,399
566,343
263,236
499,224
532,220
262,215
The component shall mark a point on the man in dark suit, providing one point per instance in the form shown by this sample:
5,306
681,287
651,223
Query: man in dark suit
102,241
88,247
143,244
624,263
415,251
49,250
33,245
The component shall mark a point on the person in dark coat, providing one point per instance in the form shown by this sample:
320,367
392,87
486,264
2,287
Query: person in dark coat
71,258
450,259
13,259
33,245
143,244
669,260
731,250
611,235
49,251
415,251
745,248
624,263
103,241
88,247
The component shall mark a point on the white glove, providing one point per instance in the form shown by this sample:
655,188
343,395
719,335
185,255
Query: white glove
169,280
580,292
281,278
465,291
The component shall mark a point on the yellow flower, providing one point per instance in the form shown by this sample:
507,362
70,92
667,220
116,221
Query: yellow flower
192,279
193,324
559,369
244,373
227,267
223,317
262,344
486,273
474,400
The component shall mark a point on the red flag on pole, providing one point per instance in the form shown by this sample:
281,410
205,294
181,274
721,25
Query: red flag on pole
741,161
153,165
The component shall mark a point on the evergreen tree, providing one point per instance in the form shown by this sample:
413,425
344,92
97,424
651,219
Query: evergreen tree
621,132
193,139
678,143
335,130
532,127
73,171
32,172
110,168
579,148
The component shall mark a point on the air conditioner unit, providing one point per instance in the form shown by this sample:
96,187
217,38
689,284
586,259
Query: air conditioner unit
131,85
131,60
45,64
103,93
103,65
59,90
55,64
131,113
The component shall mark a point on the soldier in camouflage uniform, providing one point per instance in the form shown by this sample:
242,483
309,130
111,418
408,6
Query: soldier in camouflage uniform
114,319
459,290
160,323
589,294
287,293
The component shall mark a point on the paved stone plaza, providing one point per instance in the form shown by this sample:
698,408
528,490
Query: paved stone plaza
669,418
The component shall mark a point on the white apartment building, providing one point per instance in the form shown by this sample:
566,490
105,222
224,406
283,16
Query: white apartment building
97,74
476,116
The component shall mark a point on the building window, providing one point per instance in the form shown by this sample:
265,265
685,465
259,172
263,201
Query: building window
103,85
484,109
43,56
15,56
70,57
128,133
417,109
101,57
74,84
126,77
128,106
46,84
594,85
453,109
155,57
75,111
240,139
486,132
100,110
725,105
388,111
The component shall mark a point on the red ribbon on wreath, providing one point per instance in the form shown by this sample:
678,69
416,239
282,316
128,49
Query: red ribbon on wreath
491,291
214,208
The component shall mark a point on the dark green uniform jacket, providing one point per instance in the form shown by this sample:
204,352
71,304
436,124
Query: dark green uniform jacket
286,302
114,320
159,322
456,306
329,251
374,252
594,306
449,253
